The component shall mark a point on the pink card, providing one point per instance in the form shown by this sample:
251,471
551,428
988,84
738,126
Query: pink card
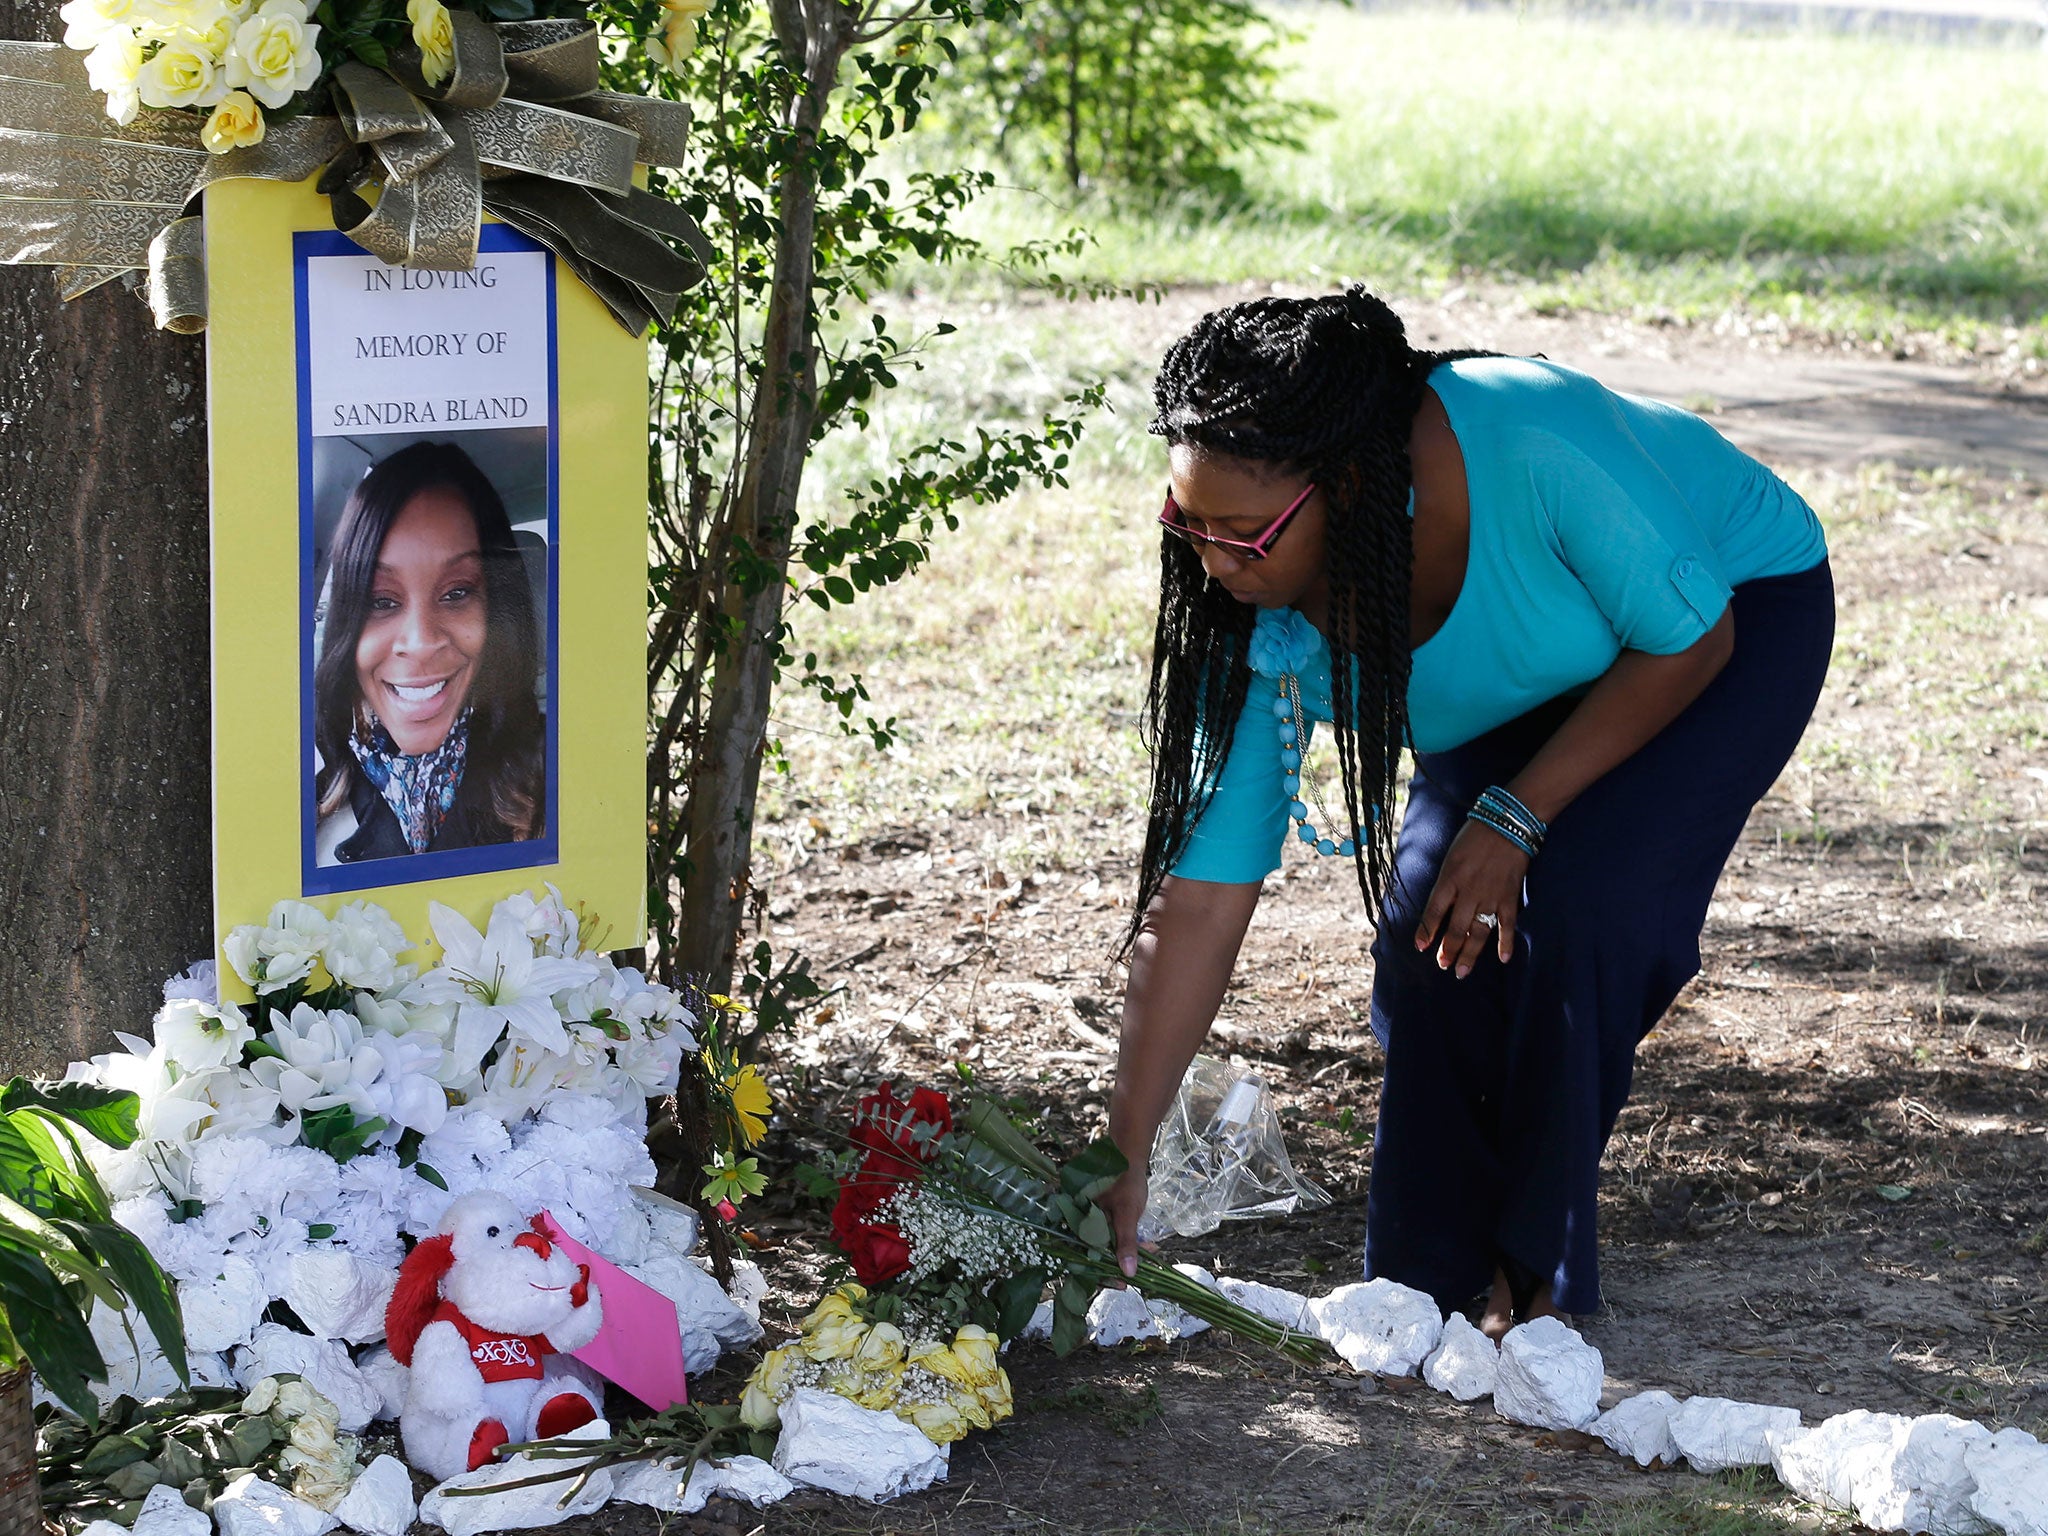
641,1344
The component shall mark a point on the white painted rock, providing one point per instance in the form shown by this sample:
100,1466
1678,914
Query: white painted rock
1928,1484
841,1447
1040,1326
136,1367
1640,1427
1290,1309
670,1223
1115,1317
1379,1325
659,1484
516,1509
749,1289
224,1313
382,1371
1549,1377
1827,1463
1200,1276
325,1365
339,1296
1465,1364
104,1528
2011,1470
1716,1433
379,1502
252,1507
165,1513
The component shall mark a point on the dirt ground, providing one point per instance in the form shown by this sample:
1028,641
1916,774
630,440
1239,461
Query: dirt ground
1828,1189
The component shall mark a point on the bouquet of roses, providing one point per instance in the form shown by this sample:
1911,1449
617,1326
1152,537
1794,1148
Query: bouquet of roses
952,1221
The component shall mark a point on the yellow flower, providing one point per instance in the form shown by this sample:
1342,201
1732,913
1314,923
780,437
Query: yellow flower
433,32
834,1330
881,1350
178,74
275,54
996,1398
750,1103
975,1348
941,1422
870,1389
761,1402
236,123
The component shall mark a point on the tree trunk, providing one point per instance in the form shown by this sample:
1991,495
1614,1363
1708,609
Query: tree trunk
726,776
105,811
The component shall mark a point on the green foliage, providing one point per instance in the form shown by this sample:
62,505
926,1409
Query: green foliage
196,1441
1161,97
61,1253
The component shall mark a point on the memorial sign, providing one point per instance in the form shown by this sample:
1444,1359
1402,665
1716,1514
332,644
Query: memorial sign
428,515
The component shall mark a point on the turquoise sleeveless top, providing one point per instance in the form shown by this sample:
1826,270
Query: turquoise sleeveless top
1599,522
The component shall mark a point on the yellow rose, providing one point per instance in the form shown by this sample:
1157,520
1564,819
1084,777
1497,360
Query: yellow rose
178,74
996,1398
761,1402
940,1360
834,1330
433,32
236,124
975,1348
275,54
941,1422
212,27
875,1388
881,1350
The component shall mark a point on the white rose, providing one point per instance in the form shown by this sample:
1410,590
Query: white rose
180,74
212,24
275,54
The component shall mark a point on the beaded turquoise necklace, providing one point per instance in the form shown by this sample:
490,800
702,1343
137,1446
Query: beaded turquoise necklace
1283,640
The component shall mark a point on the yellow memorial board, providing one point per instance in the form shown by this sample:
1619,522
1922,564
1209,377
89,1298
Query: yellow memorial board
429,565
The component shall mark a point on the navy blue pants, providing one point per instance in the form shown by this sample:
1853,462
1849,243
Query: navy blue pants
1502,1089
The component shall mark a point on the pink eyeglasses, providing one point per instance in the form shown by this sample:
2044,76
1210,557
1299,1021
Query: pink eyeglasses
1173,520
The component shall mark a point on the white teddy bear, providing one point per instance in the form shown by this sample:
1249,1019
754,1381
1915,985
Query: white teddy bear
485,1313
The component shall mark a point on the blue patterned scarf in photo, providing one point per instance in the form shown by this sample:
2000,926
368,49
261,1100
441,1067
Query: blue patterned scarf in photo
420,790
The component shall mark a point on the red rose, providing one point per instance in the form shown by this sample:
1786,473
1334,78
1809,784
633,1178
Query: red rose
887,1126
879,1254
878,1251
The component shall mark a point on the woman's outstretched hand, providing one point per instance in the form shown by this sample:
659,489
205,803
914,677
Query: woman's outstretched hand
1482,873
1125,1203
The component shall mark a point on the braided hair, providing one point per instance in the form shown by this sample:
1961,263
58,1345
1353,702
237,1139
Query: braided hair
1327,387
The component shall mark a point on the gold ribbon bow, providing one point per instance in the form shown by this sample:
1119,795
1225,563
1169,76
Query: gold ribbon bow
519,128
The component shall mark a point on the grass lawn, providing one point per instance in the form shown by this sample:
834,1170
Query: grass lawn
1867,187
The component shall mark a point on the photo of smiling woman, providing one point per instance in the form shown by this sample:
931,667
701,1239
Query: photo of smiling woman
428,725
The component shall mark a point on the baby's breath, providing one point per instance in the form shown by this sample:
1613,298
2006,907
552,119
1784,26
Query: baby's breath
975,1244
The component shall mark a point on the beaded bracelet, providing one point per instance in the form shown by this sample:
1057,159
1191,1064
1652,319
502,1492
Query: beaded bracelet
1501,812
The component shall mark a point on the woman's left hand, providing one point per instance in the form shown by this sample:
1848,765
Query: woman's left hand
1482,873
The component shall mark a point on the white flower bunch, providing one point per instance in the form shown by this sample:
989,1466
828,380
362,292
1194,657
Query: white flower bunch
945,1235
365,1088
322,1460
223,56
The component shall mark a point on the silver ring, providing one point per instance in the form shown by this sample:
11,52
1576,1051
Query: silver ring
1486,920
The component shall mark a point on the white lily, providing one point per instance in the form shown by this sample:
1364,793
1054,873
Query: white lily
499,984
